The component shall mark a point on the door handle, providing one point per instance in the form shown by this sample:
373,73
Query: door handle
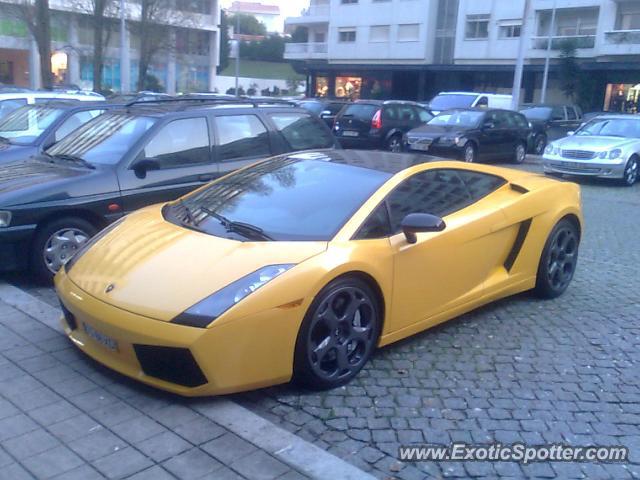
206,178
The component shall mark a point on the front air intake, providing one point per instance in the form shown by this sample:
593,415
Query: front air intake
174,365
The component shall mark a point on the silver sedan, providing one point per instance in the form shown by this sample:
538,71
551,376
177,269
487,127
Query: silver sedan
607,147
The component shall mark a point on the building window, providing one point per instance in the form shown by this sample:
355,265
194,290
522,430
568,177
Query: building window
322,86
347,35
192,42
477,26
570,22
628,16
510,30
379,33
409,32
348,87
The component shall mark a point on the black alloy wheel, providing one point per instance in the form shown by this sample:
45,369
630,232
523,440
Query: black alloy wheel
559,260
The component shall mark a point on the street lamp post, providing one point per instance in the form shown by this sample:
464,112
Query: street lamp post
545,77
517,77
124,52
237,35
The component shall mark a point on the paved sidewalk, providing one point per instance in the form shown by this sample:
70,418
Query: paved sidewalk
64,416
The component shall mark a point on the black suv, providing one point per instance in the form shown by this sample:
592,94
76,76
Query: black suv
378,124
473,134
31,129
131,157
326,108
550,122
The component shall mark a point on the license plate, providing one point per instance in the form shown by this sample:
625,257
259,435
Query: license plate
420,146
101,338
350,133
572,164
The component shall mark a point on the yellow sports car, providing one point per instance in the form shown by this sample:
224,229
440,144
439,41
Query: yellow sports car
301,265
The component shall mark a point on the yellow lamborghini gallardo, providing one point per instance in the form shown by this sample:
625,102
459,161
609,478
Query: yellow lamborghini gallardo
301,265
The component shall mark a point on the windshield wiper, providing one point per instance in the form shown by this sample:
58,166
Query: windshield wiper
244,229
188,213
73,158
4,139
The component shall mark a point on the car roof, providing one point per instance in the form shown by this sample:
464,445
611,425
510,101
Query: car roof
619,116
476,94
69,104
386,102
546,105
78,96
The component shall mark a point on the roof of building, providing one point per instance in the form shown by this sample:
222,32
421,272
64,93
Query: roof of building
255,8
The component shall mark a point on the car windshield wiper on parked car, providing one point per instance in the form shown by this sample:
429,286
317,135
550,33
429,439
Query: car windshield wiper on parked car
245,229
73,158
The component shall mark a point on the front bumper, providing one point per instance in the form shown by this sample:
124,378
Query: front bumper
439,150
243,354
590,168
15,246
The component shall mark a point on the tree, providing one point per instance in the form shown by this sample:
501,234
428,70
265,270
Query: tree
37,17
225,47
569,70
101,36
249,25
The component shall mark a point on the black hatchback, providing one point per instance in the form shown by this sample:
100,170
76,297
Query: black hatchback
550,122
472,135
377,124
132,157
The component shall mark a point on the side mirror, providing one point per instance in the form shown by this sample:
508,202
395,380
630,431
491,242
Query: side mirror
571,133
420,222
142,166
325,113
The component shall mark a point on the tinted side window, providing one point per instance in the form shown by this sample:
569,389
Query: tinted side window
424,115
438,192
376,225
571,113
180,143
8,106
75,121
479,185
334,108
241,136
520,120
301,131
483,102
557,113
406,113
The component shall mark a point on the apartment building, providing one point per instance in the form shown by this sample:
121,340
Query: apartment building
187,62
468,45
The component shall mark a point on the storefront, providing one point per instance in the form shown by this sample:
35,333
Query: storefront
622,97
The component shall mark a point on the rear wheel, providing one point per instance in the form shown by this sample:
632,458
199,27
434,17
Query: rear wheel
56,242
470,153
338,334
394,144
520,153
631,172
558,261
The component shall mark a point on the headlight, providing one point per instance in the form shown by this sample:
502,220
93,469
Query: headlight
551,149
5,219
615,153
447,140
603,155
460,141
206,311
90,243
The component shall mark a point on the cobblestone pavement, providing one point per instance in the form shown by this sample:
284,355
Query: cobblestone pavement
520,370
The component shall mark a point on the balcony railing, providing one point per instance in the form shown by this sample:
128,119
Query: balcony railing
305,48
557,42
623,37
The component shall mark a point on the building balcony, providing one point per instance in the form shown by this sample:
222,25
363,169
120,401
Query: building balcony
315,13
305,51
557,42
622,37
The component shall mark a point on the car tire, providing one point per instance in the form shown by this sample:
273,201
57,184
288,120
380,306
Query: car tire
394,143
519,154
558,260
539,144
335,340
469,153
631,172
55,243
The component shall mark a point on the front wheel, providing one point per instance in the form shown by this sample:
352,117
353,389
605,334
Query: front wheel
558,261
470,153
630,175
56,242
394,144
520,153
539,144
338,334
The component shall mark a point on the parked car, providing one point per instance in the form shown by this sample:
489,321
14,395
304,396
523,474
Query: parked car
339,253
366,124
550,122
607,147
10,101
326,108
448,100
138,97
5,88
472,135
129,158
31,129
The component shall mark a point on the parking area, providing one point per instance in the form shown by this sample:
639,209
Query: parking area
520,370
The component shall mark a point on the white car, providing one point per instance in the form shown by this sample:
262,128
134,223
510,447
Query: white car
607,147
450,100
11,101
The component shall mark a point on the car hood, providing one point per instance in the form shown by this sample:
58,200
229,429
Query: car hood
436,131
159,269
33,181
596,143
12,153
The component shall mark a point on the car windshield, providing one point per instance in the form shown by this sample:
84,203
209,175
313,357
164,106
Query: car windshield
457,118
536,113
451,100
611,127
105,139
25,125
284,198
